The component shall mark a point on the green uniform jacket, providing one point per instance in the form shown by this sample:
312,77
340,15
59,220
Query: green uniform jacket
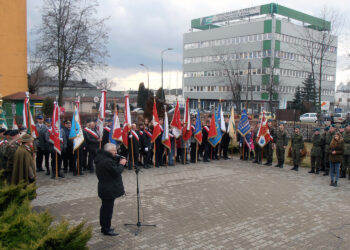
281,138
23,165
297,142
317,143
9,154
346,138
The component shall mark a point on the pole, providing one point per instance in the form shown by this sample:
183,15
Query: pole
132,151
196,152
175,152
162,73
185,155
262,154
154,155
166,157
100,145
56,166
78,165
243,150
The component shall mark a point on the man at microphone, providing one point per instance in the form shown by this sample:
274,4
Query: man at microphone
109,168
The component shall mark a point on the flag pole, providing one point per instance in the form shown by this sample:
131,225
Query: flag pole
78,165
56,165
132,150
166,157
175,148
198,104
154,154
219,147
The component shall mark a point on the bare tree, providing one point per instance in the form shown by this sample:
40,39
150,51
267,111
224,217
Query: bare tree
72,40
317,46
104,83
233,71
36,76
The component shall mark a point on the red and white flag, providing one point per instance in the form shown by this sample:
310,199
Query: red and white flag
165,138
157,130
25,111
176,121
101,114
14,123
127,120
116,129
187,131
263,137
55,135
33,131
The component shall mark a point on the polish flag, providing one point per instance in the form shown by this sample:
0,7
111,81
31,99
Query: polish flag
116,129
25,111
127,121
176,121
187,131
55,134
33,131
101,114
157,130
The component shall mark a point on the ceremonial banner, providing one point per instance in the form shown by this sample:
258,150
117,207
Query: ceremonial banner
243,124
263,137
187,131
214,140
25,111
116,130
198,129
127,121
165,137
155,121
232,127
3,123
14,124
176,121
101,114
76,132
55,135
33,131
221,119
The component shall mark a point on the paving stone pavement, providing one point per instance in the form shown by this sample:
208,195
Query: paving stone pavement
219,205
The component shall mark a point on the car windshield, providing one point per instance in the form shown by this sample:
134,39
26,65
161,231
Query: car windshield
337,115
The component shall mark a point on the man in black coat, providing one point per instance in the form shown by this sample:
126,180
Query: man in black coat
109,168
225,141
92,143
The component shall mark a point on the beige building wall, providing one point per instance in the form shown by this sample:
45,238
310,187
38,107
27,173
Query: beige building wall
13,46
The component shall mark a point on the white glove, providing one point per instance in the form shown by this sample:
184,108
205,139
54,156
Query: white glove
130,136
146,149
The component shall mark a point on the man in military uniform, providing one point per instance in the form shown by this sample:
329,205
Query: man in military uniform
133,147
327,141
346,161
9,154
316,152
40,151
269,146
92,143
297,144
281,142
257,148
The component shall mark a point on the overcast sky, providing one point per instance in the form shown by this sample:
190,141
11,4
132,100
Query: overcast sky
140,29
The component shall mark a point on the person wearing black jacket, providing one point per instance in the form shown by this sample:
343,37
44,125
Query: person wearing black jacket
205,143
92,143
106,131
67,155
109,168
225,139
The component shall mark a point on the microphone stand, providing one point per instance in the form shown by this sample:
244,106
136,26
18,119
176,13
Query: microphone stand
138,224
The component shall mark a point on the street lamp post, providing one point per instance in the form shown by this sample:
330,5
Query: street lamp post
147,78
161,57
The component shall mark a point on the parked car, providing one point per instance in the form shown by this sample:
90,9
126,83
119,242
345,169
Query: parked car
268,115
339,117
308,117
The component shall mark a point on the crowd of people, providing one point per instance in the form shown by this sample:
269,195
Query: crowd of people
330,151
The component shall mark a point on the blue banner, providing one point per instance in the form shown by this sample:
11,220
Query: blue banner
215,140
243,124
